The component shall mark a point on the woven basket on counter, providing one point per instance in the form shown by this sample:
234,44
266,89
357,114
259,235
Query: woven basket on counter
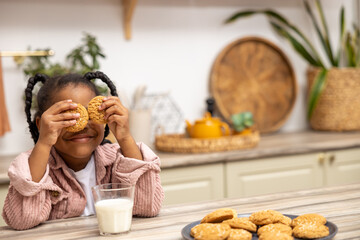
338,108
179,143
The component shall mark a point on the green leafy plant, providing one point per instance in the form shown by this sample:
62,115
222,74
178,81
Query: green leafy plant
81,59
347,54
242,120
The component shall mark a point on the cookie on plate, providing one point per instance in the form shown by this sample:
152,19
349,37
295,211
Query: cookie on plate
285,220
275,235
310,218
219,215
310,231
210,231
242,223
276,227
265,217
81,122
96,115
239,234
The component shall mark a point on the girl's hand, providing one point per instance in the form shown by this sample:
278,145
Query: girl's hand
117,117
54,119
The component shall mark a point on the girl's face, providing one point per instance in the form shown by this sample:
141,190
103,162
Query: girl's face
76,148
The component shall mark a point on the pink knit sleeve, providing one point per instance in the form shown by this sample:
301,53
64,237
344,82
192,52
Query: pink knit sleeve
27,203
145,174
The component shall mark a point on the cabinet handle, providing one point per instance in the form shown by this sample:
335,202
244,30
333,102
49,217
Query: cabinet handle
331,158
321,158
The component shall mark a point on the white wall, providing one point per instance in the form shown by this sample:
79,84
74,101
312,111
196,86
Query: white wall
173,46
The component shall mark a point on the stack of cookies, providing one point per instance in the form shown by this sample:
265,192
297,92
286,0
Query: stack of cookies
224,224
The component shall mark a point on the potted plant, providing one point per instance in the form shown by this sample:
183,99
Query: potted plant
333,81
81,59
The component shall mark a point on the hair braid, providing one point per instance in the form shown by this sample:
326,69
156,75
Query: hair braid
110,84
104,78
28,102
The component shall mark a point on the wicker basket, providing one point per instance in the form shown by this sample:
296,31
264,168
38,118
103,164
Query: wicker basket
179,143
338,107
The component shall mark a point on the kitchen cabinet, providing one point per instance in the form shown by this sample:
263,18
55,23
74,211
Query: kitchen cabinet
250,177
342,167
269,175
191,184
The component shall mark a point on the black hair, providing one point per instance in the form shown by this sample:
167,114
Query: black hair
53,84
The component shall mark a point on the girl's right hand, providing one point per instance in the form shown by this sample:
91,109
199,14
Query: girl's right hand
54,119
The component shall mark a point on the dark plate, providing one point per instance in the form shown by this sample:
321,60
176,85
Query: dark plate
185,232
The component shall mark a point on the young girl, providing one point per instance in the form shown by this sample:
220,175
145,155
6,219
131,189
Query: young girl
54,179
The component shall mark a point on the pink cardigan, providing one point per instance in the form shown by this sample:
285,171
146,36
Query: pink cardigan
59,195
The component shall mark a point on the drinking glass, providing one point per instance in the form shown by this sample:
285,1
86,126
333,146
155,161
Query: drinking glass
113,205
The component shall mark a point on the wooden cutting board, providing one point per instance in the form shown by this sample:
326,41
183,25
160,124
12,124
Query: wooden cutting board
253,74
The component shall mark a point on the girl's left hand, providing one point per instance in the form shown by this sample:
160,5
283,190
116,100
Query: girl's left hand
117,117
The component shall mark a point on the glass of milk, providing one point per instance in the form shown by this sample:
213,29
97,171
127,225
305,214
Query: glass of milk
113,205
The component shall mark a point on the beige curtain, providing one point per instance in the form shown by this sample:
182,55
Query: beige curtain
4,120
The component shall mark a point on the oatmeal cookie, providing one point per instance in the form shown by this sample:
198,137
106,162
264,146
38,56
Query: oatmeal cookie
285,220
82,121
199,227
265,217
242,223
210,231
219,215
311,218
276,227
275,235
239,234
310,231
96,115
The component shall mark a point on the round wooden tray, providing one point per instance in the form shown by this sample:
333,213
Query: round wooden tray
252,74
179,143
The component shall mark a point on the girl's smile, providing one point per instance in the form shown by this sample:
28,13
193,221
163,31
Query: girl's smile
80,138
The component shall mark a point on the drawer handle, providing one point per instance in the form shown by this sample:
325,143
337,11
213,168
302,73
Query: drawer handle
321,158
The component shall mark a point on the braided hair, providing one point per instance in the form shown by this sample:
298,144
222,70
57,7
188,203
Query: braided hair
52,85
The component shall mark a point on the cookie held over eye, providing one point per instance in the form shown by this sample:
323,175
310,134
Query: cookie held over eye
81,122
96,115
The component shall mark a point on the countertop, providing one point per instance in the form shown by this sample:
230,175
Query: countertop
276,144
269,146
340,205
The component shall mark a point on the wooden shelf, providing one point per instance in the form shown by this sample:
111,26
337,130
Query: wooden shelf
128,9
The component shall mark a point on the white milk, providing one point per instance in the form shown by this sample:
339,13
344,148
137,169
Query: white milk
114,215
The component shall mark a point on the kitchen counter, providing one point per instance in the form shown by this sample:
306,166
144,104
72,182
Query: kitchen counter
340,205
277,144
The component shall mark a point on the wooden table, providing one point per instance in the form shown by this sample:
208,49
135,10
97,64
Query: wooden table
341,205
